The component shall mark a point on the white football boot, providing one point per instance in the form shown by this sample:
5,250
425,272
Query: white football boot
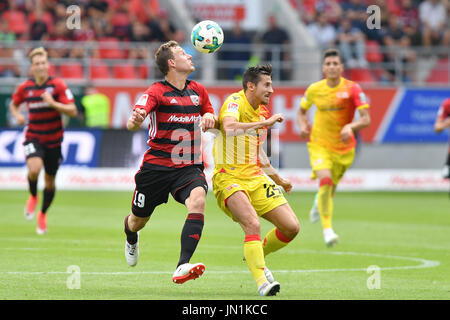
269,289
330,237
132,252
188,271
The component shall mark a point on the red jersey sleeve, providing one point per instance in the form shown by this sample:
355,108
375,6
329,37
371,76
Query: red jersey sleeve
148,101
64,95
358,97
206,103
18,96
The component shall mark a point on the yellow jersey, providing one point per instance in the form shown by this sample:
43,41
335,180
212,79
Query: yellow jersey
238,154
335,107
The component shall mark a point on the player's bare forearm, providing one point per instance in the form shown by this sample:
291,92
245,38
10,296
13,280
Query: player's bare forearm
232,127
136,119
362,122
303,123
68,109
440,125
268,169
14,110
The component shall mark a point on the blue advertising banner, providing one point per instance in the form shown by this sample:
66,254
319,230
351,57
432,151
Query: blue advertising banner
79,147
414,117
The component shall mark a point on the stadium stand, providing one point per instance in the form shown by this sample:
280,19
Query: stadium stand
115,31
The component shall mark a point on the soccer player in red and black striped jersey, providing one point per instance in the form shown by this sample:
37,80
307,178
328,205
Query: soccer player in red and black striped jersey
46,98
178,110
443,122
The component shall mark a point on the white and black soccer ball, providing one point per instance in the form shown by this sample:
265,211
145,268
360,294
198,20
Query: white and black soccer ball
207,36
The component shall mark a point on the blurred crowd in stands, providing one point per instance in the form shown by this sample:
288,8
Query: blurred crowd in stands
405,24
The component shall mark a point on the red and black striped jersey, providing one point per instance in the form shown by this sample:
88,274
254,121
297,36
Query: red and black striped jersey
44,122
175,116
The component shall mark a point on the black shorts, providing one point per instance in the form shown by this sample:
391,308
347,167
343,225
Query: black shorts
52,157
153,187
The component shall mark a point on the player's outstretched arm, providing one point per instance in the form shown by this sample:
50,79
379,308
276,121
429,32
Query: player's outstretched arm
232,126
136,119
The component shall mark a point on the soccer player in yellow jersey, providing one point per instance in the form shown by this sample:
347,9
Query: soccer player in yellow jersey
242,190
332,142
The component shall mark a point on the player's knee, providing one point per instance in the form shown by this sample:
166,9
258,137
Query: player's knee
251,225
136,223
49,182
33,173
293,230
196,202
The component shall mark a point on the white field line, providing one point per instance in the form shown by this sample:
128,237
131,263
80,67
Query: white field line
423,263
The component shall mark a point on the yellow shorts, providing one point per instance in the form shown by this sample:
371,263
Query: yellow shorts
322,158
263,194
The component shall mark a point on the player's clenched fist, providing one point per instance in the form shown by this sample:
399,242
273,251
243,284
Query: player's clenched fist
136,119
275,118
208,121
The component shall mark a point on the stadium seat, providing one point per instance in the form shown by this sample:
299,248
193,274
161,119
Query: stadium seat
143,71
373,53
124,71
99,70
361,75
52,71
440,72
112,51
71,71
17,21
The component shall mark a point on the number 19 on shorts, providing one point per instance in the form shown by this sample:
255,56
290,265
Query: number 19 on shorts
139,199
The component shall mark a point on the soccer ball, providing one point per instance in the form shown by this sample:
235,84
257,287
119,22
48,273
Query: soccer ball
207,36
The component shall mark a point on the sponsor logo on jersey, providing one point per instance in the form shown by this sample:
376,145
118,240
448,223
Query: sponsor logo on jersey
195,99
36,105
185,119
232,107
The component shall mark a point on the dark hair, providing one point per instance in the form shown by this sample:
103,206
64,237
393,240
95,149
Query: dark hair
332,53
163,54
252,74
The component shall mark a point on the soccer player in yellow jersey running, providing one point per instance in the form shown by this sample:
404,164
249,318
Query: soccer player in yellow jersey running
242,190
332,143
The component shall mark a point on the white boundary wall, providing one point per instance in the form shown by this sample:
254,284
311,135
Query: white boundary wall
123,179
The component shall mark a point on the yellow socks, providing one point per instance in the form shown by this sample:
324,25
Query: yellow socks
254,255
274,241
325,202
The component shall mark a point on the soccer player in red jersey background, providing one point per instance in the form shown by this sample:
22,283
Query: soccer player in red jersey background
332,142
178,110
46,98
443,122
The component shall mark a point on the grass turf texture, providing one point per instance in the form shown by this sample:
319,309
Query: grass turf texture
405,234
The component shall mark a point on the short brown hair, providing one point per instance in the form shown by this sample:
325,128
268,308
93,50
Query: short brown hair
252,74
332,53
163,54
36,52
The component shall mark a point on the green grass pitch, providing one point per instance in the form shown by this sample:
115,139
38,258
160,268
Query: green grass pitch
406,236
